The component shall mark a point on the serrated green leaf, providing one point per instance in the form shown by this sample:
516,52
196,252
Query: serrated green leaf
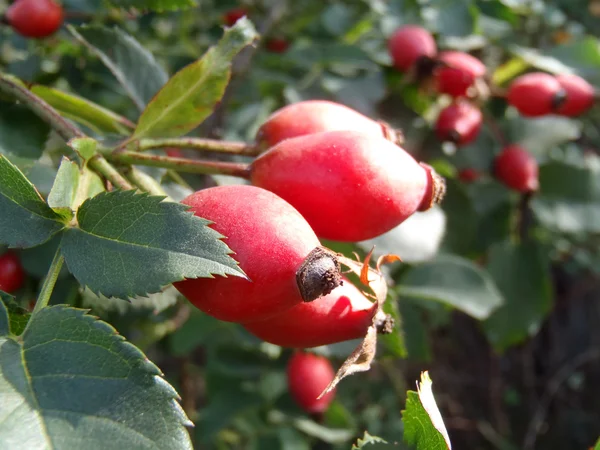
154,5
85,147
77,384
191,94
453,281
22,133
82,110
522,273
367,439
423,424
25,219
131,244
64,190
132,65
17,316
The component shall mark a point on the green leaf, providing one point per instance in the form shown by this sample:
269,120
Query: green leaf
394,341
582,55
522,273
192,93
25,219
63,192
132,65
367,439
85,147
22,133
597,446
154,5
130,244
18,316
84,111
453,281
423,424
77,384
4,318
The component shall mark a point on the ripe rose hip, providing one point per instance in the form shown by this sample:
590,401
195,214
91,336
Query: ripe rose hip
459,122
534,94
314,116
517,168
11,272
277,45
468,175
458,73
35,18
410,44
275,247
343,314
578,95
233,15
308,375
350,186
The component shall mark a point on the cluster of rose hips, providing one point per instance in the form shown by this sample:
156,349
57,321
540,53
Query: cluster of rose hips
463,77
35,18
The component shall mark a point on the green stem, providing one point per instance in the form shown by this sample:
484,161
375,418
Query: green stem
144,181
63,127
49,281
180,164
210,145
102,166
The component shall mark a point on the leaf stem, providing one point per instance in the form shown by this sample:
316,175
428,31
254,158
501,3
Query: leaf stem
144,181
210,145
181,164
49,281
103,167
63,127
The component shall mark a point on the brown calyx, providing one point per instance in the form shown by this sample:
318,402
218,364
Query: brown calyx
384,323
319,274
436,188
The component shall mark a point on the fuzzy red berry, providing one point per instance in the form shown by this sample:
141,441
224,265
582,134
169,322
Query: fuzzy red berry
468,175
233,15
35,18
341,315
314,116
459,122
271,241
409,44
277,45
534,94
579,95
517,168
350,186
11,272
457,73
308,375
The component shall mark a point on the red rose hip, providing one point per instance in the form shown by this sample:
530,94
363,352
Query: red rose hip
578,95
468,175
11,272
271,241
350,186
517,168
277,45
459,122
233,15
315,116
409,44
308,375
35,18
457,73
534,94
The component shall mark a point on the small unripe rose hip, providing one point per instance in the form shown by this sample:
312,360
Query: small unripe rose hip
534,94
11,272
459,122
35,18
274,246
343,314
314,116
409,44
233,15
578,95
350,186
308,375
457,73
517,168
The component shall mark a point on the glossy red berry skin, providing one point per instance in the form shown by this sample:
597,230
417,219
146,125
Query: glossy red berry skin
11,272
308,375
410,43
277,45
517,169
315,116
579,95
35,18
459,122
233,15
534,94
270,240
343,314
458,73
350,186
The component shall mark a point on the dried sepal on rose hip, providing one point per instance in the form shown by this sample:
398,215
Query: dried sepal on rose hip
275,247
35,18
349,185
